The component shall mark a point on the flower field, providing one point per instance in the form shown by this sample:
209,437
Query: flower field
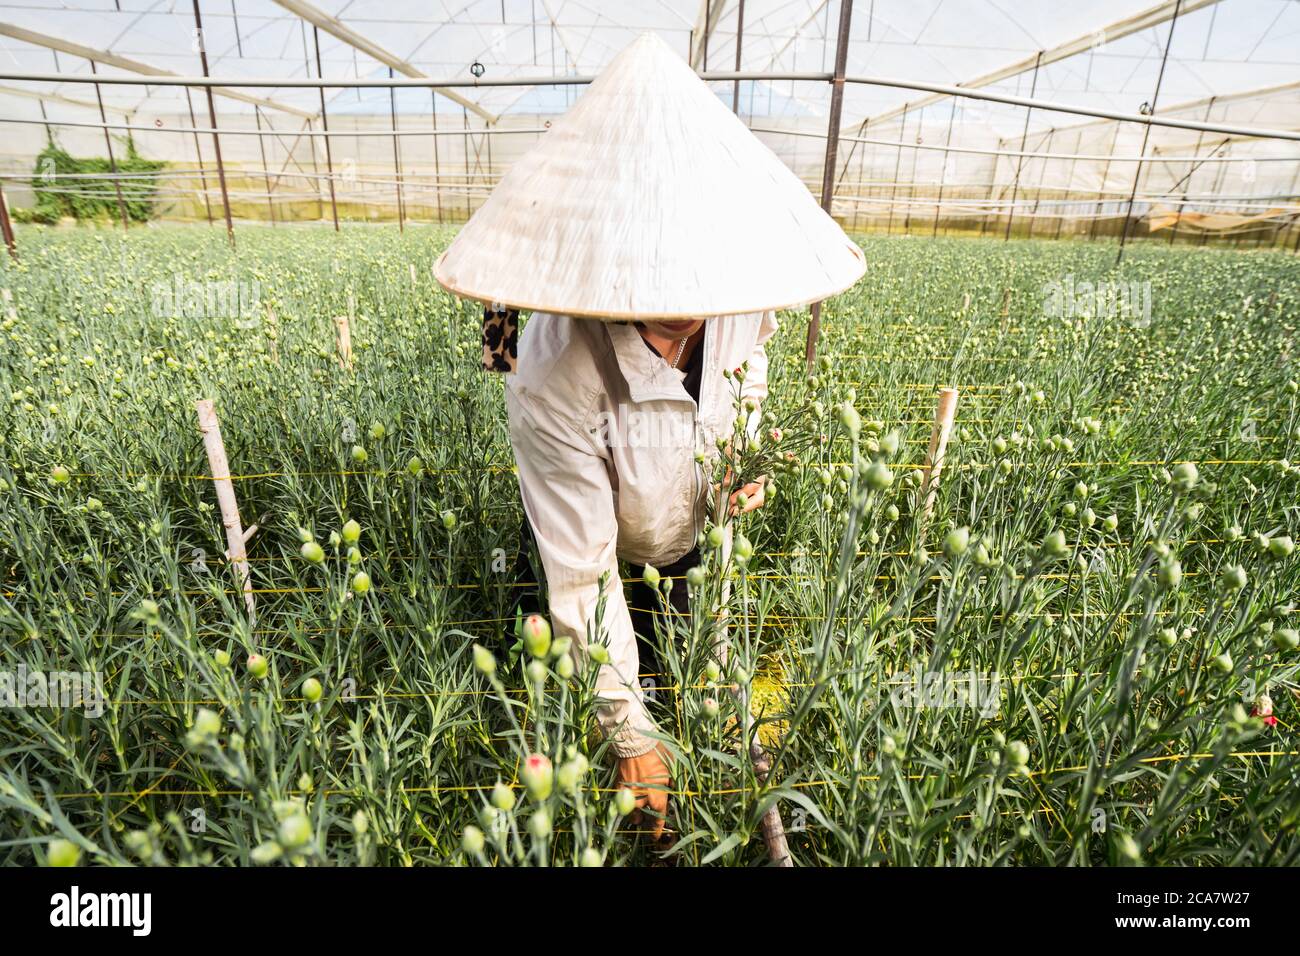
1086,655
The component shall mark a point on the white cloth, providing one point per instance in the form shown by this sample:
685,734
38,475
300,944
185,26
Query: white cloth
605,437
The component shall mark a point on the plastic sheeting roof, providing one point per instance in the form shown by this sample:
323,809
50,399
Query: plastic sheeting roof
1218,48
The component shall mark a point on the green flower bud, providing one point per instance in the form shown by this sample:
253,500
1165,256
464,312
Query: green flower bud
956,542
1055,545
62,852
484,661
1234,578
258,666
537,635
503,798
624,801
472,840
311,690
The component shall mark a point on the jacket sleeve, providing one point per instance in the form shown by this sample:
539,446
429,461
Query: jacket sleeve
755,384
570,505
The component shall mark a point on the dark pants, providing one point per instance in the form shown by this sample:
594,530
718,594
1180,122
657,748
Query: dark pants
642,601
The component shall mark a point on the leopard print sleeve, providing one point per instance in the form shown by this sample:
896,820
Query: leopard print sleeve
500,339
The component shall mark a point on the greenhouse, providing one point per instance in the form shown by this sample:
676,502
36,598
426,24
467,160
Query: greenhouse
654,433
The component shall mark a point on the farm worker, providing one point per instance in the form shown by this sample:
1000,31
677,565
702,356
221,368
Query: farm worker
653,237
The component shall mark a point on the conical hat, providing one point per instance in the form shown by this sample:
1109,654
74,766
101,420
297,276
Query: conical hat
650,199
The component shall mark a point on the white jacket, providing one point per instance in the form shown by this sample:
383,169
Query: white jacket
605,437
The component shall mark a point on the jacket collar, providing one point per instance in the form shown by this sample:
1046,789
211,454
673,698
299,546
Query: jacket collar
647,375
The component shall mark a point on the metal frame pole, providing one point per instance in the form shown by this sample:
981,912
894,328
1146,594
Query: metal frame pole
397,158
832,146
437,166
1173,233
112,162
707,5
1146,135
1024,136
198,151
1069,183
266,170
898,165
1101,188
464,148
1038,196
325,127
212,120
993,182
943,170
911,176
740,36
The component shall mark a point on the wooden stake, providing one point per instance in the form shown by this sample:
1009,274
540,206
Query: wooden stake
343,330
943,417
236,537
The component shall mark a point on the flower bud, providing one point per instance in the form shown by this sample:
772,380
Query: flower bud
537,635
472,840
624,801
538,776
956,542
484,660
258,666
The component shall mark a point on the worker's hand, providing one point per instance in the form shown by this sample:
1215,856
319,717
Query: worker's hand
755,494
648,776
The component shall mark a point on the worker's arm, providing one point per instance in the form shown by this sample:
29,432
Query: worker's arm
570,506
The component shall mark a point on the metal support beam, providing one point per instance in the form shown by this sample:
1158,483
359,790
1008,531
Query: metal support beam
397,156
212,119
266,170
1151,17
320,20
1024,134
740,36
131,66
325,125
828,167
1146,136
112,161
709,15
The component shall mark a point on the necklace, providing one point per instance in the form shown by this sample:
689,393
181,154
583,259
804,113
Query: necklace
681,347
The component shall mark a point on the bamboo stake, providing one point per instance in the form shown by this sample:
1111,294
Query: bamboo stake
236,537
934,458
343,330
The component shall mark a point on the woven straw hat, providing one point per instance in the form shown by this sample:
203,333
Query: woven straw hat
649,199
